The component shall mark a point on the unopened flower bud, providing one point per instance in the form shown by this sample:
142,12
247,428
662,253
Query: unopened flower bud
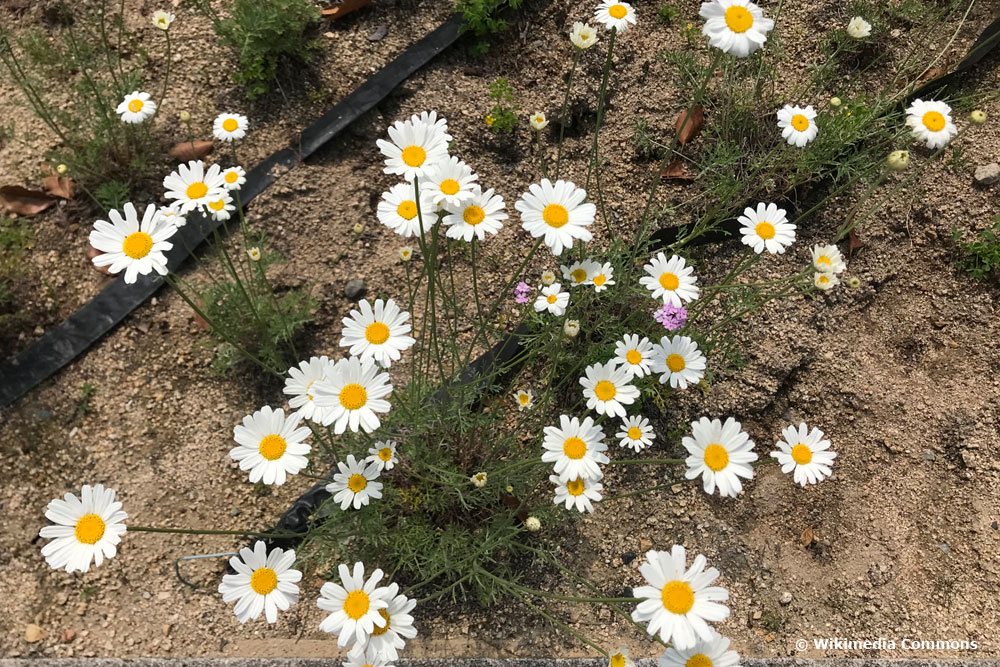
898,160
185,117
533,524
978,117
571,328
835,101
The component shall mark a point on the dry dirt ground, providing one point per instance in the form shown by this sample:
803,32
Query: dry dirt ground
900,372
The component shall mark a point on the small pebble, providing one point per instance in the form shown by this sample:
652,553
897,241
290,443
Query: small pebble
786,599
355,289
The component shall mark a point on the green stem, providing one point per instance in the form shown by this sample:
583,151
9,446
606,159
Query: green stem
565,105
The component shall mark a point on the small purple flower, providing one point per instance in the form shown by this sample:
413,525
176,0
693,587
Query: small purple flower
671,317
521,292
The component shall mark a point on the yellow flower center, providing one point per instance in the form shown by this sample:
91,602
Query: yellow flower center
217,205
575,487
137,245
823,259
600,279
578,275
473,215
232,176
765,230
739,19
552,298
698,660
800,122
356,605
617,12
669,281
801,454
272,447
407,210
263,580
357,483
675,363
377,333
230,125
677,596
135,106
414,156
89,528
385,454
353,397
633,357
823,280
555,215
934,121
449,186
634,432
574,448
524,399
196,190
605,390
377,631
716,457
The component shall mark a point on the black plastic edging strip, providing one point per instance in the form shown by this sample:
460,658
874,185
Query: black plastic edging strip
61,344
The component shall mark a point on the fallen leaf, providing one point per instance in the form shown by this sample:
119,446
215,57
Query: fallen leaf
60,186
191,150
689,123
93,252
344,8
854,243
933,73
807,537
23,201
677,170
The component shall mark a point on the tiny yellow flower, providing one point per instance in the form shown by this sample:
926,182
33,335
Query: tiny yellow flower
489,120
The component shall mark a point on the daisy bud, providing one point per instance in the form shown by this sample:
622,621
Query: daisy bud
162,19
548,277
571,329
405,253
854,282
510,489
254,254
358,228
538,121
478,480
533,524
899,160
185,117
62,169
583,36
835,101
977,117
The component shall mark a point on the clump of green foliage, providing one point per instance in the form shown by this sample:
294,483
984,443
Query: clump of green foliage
502,118
15,242
482,18
667,14
980,258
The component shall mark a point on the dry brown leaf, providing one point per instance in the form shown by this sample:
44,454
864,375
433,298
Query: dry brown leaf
678,170
93,252
23,201
60,186
933,73
854,243
344,8
191,150
807,537
689,123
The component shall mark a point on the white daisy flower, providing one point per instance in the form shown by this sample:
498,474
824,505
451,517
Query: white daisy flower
379,333
548,277
580,273
300,382
431,119
398,211
636,433
162,19
366,656
858,28
766,227
172,217
720,453
479,480
391,639
738,27
634,353
827,259
354,606
270,445
798,124
672,280
806,453
557,213
136,107
712,652
221,208
264,582
538,121
413,148
254,254
87,529
230,126
583,36
483,213
604,277
679,361
825,281
449,183
234,178
525,400
576,448
608,389
615,15
579,493
192,186
355,483
133,245
552,299
621,658
405,253
351,395
679,601
931,122
383,455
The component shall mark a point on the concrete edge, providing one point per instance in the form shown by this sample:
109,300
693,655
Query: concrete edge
479,662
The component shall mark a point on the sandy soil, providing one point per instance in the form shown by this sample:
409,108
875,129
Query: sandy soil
899,373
